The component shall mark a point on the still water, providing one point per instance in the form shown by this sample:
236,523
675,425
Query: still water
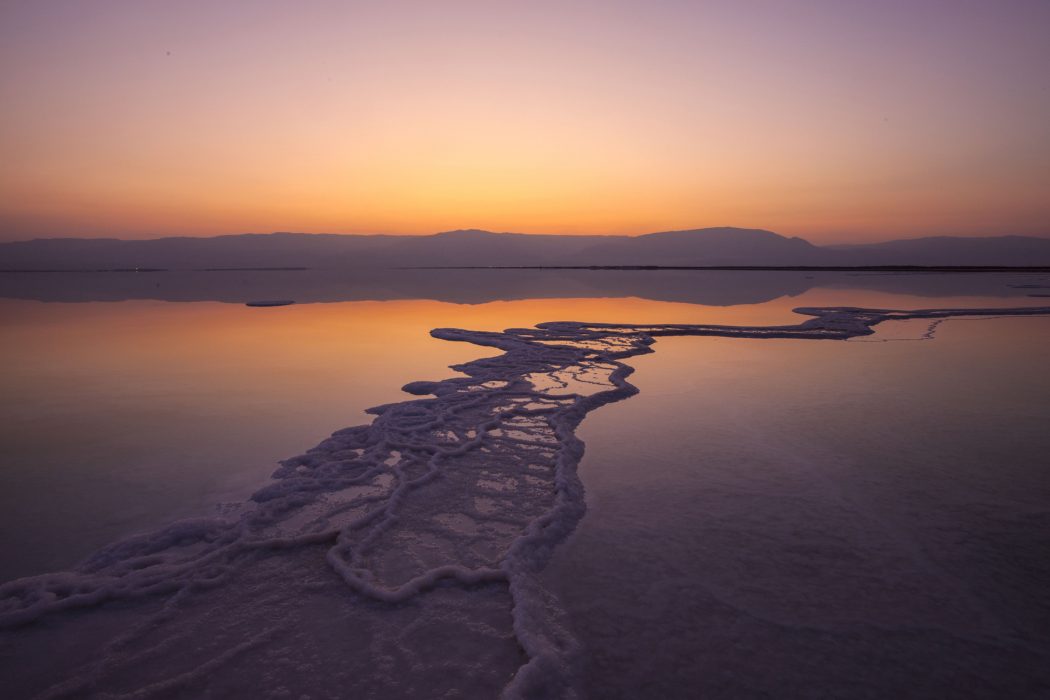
119,416
792,517
820,519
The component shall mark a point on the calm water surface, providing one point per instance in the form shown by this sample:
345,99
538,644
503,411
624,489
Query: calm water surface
766,518
120,416
820,519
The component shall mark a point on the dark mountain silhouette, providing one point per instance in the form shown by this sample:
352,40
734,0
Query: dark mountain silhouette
473,247
709,246
699,247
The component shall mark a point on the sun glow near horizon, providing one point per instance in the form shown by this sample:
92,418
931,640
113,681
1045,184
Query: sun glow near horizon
834,121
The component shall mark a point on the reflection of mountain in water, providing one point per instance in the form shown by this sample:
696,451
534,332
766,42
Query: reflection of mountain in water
708,287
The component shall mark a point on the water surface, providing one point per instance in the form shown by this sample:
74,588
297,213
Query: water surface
766,514
119,416
820,519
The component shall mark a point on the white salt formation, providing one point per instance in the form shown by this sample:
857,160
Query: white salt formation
398,559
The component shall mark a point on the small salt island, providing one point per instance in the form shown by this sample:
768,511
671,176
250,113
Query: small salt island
270,302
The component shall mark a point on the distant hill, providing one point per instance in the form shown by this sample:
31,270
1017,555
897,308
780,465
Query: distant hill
699,247
948,250
708,246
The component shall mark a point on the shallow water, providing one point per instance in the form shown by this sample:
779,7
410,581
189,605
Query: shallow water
118,417
124,415
820,519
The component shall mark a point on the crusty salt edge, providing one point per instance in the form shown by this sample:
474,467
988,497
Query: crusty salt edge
352,490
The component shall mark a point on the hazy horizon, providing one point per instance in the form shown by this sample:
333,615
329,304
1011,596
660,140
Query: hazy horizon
837,122
814,240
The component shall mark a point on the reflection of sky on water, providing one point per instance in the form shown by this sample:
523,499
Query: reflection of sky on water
818,517
118,417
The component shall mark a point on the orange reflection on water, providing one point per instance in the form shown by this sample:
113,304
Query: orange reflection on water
120,416
117,417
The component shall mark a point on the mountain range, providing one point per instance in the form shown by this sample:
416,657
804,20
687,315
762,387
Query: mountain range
723,246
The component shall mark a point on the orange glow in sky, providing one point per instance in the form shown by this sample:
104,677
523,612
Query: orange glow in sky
835,121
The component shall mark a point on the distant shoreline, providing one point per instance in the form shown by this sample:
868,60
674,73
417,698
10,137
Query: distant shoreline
170,269
723,248
640,268
773,268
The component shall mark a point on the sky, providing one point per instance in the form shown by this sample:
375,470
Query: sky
835,120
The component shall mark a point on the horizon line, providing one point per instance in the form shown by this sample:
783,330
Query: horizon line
515,233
